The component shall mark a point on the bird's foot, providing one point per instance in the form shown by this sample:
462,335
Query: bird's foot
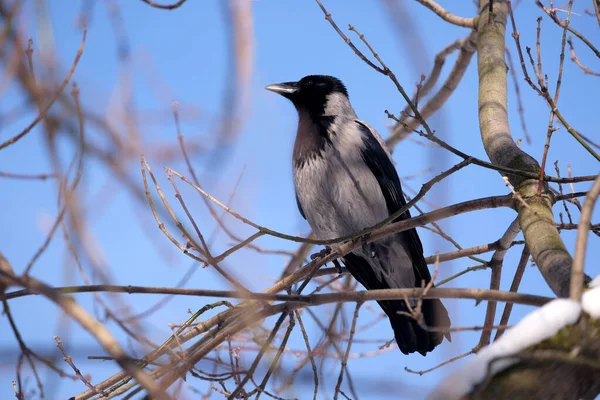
368,248
336,263
325,252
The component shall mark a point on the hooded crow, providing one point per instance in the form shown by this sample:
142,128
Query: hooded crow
345,181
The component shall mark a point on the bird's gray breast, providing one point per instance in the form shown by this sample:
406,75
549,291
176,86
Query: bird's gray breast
336,189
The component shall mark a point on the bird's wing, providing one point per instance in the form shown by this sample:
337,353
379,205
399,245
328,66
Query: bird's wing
380,163
300,207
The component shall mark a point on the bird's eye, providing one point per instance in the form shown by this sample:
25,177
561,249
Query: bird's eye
309,83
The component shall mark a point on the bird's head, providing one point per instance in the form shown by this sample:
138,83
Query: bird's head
316,94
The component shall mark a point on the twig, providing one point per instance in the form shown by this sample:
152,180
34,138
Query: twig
71,191
470,251
310,355
516,35
521,109
262,351
577,271
451,360
212,261
562,24
301,301
479,267
496,266
557,90
25,351
275,361
514,287
44,110
424,189
41,177
169,7
146,167
384,70
406,125
69,360
575,59
96,329
345,359
446,15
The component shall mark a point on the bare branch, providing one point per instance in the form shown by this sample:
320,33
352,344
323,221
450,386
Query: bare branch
448,16
46,108
169,7
496,266
577,274
541,235
95,328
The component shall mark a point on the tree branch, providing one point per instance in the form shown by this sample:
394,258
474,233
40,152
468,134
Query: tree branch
535,211
447,15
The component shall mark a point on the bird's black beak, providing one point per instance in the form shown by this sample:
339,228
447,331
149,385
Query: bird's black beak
286,89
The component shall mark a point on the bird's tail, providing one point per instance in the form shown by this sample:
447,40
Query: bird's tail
421,335
411,335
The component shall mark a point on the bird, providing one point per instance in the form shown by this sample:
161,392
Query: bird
345,181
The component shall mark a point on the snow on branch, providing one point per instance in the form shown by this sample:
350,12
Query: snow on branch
536,327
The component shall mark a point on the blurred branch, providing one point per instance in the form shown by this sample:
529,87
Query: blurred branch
448,16
95,328
467,48
70,191
237,91
575,59
165,6
305,300
29,84
41,177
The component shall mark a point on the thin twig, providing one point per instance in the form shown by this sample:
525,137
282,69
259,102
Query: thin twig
496,266
69,360
345,359
514,287
44,110
446,15
577,271
169,7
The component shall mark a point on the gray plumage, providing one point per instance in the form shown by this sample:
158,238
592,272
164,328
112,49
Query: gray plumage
345,182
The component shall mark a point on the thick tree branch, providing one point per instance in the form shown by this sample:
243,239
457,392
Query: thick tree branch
535,211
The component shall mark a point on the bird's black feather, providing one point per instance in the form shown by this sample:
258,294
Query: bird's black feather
384,171
300,207
409,334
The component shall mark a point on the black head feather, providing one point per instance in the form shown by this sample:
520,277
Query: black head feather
311,92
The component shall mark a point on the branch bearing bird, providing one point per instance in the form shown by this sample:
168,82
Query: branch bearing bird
345,181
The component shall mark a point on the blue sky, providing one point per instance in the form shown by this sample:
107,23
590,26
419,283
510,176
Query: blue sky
183,56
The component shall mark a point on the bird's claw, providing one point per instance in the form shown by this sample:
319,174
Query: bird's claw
367,248
336,263
325,252
321,253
